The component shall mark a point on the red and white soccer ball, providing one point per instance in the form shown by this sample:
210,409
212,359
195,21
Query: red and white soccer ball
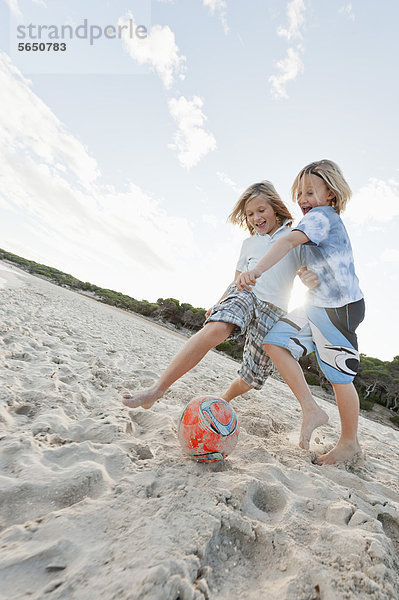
208,429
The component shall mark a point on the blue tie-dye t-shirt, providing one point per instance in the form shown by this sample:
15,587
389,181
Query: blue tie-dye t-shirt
329,254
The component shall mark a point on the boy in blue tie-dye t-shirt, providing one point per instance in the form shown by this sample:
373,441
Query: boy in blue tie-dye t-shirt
329,254
336,306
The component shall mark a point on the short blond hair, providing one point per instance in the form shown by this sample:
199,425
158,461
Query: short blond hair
268,192
332,176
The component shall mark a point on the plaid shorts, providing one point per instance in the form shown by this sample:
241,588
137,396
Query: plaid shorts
253,318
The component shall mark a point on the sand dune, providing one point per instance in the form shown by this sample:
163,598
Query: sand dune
97,501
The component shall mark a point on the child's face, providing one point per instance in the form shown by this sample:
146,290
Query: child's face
313,192
261,216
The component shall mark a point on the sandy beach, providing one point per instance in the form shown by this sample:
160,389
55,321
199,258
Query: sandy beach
97,501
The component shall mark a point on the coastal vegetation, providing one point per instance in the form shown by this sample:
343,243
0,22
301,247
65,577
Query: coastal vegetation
376,382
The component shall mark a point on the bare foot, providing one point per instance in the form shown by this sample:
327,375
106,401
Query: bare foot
311,420
342,452
145,398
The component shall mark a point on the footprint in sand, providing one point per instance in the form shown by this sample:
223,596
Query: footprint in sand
28,410
144,420
143,451
231,547
236,551
391,529
264,502
261,427
111,457
25,498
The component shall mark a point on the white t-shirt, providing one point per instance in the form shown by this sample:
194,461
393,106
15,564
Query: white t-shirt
274,285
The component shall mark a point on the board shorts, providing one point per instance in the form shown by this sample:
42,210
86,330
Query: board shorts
330,332
253,318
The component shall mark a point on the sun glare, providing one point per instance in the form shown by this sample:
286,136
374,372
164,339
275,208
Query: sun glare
298,295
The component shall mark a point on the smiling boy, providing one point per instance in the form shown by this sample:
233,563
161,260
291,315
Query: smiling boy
336,306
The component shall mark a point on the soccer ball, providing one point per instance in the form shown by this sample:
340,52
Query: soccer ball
208,429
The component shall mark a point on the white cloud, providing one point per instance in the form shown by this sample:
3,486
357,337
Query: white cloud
19,127
158,50
289,69
218,6
347,10
296,19
191,141
226,179
376,202
50,183
291,66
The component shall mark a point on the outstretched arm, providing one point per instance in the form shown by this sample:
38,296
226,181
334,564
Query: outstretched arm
279,249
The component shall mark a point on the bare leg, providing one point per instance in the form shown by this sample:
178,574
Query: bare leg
237,387
348,444
193,351
312,415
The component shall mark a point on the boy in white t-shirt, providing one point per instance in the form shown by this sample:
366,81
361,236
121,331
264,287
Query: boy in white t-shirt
250,312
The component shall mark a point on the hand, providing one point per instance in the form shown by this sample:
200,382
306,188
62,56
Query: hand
247,279
308,278
208,312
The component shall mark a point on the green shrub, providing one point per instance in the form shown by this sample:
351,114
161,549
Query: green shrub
148,309
312,379
366,404
232,348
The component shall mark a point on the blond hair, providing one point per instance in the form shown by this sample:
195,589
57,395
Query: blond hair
268,192
332,176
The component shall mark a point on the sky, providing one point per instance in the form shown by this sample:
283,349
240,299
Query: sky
122,156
